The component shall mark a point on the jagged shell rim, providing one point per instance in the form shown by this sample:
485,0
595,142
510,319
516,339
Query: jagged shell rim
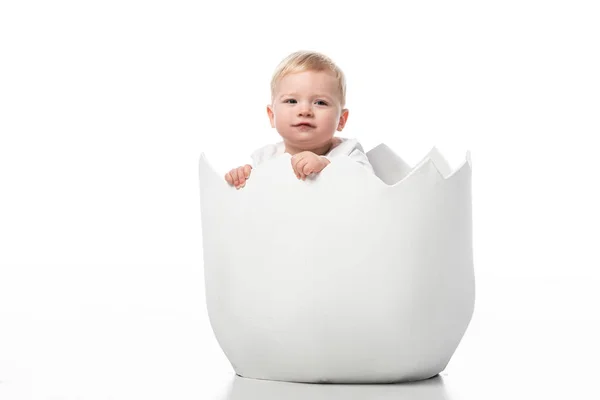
433,157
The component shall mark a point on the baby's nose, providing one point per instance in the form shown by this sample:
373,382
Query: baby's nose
305,111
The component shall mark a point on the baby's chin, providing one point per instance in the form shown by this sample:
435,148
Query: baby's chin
307,139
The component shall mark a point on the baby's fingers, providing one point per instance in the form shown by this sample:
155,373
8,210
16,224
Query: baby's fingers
238,176
229,178
235,177
307,170
247,169
303,168
241,177
296,160
297,171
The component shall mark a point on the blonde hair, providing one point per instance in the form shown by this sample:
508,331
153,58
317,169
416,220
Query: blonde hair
301,61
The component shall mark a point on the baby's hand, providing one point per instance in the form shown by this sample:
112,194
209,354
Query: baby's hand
306,163
238,176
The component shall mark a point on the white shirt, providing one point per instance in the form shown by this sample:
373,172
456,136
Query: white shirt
348,147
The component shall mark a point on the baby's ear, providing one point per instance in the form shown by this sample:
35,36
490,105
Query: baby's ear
343,119
271,115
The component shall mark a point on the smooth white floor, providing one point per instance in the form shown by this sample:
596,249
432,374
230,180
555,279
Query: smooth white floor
529,338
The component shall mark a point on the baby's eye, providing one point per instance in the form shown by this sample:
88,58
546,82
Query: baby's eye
291,101
321,102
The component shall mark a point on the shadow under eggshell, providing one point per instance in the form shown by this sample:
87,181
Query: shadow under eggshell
347,277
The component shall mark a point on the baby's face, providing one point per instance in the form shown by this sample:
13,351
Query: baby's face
306,109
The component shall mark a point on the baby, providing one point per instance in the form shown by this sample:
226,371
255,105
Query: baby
308,95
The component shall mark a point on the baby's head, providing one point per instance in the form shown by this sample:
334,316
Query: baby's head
308,95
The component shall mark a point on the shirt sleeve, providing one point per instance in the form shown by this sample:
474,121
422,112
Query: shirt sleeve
360,157
353,149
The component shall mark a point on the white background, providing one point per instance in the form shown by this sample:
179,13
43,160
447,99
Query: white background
105,108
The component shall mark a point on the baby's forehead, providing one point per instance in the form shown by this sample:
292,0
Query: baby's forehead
318,78
309,92
306,89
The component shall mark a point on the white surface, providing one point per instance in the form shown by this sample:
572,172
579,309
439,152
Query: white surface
517,346
105,108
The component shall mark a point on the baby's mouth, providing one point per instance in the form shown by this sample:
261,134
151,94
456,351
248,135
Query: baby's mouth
303,125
